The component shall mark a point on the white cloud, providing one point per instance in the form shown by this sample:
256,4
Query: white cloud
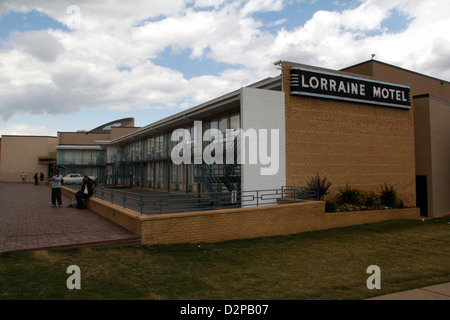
26,130
56,72
261,6
40,44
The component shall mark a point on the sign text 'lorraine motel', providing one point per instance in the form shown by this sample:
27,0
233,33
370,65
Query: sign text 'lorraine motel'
322,84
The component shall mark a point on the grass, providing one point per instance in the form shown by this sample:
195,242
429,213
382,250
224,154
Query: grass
317,265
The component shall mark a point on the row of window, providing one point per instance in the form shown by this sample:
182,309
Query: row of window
158,145
156,174
81,157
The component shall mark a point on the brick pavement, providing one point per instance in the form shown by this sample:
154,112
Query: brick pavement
28,222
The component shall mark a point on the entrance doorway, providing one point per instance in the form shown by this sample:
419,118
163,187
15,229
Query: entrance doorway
422,195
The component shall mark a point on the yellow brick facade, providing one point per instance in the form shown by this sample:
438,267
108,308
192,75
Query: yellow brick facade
358,144
238,223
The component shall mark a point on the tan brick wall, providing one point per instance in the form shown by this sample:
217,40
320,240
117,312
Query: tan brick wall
358,144
231,224
240,223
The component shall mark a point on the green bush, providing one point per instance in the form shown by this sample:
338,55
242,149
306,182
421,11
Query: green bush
345,195
350,198
359,198
330,206
322,184
389,197
371,199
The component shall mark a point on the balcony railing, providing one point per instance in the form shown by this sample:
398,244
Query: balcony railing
78,162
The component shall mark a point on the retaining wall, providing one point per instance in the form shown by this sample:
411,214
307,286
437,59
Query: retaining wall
237,223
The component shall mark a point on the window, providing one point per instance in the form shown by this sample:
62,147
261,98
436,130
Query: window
235,121
223,124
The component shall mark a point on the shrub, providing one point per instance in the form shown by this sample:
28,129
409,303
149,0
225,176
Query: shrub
322,184
358,198
348,195
351,199
389,197
371,199
330,206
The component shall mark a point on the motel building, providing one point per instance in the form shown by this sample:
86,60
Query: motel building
366,126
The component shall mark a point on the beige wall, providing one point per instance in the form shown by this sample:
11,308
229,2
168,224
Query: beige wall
119,132
81,138
358,144
433,151
440,154
21,153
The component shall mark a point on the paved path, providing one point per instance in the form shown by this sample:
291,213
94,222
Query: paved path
28,222
437,292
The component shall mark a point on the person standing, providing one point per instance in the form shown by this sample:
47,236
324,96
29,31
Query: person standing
56,188
24,177
35,179
41,177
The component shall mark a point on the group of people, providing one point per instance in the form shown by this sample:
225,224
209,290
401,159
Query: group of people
23,176
86,191
36,178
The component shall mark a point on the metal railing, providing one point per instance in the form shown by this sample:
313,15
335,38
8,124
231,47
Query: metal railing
147,202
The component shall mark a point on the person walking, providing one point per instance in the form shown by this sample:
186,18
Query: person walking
56,188
35,179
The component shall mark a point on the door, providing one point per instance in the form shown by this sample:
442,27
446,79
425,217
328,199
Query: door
422,195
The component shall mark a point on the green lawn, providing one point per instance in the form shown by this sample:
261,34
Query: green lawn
321,265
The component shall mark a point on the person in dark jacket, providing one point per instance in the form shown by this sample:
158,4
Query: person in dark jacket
87,190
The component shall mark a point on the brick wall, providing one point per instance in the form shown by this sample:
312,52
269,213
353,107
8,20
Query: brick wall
357,144
230,224
240,223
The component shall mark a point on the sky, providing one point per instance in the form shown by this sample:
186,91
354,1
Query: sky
75,65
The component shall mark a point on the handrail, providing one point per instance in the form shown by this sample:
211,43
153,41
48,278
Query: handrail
161,203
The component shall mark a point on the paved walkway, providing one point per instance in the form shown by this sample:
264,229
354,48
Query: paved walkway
437,292
28,222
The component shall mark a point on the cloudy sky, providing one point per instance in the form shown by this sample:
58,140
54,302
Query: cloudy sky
75,65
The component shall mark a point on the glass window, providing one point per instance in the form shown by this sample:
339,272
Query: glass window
174,173
159,145
90,157
223,123
235,121
215,123
163,144
149,175
70,156
159,174
206,137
